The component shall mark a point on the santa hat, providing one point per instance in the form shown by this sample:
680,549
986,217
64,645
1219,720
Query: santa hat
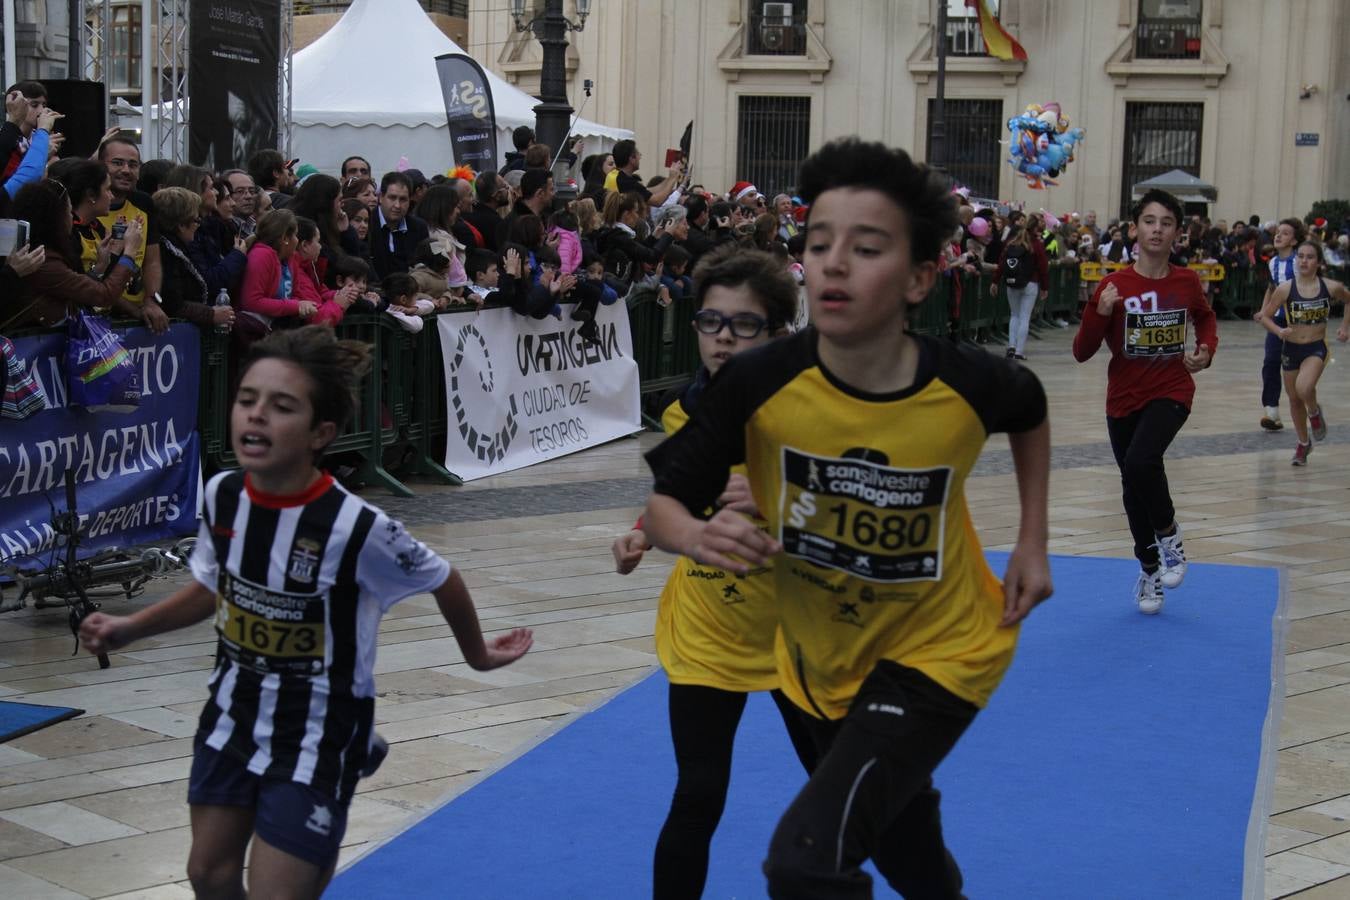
742,189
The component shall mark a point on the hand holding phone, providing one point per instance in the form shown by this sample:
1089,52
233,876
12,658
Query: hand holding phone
13,235
48,118
673,156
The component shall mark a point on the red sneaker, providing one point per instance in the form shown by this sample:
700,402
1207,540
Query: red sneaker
1319,426
1301,452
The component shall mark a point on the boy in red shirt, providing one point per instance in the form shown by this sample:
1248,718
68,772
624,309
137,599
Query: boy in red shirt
1143,313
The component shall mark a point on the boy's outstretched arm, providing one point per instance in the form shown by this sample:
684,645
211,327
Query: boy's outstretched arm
102,633
1027,580
722,541
457,607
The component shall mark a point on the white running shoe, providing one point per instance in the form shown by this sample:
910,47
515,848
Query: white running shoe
1171,558
1148,593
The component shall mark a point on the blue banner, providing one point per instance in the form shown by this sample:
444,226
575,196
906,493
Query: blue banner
136,474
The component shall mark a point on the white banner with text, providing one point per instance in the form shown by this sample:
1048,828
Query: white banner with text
523,390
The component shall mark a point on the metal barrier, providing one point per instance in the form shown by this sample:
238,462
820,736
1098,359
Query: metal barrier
403,419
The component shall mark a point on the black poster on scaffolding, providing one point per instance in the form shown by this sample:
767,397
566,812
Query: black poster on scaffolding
234,48
468,111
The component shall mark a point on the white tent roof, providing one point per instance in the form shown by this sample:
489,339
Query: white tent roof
377,66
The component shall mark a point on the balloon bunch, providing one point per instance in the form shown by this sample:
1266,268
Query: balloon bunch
1042,143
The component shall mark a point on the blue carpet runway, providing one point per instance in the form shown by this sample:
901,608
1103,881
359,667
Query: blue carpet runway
18,719
1122,757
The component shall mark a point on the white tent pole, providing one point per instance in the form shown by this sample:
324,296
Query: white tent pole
11,62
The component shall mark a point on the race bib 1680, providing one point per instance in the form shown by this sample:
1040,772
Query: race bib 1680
869,520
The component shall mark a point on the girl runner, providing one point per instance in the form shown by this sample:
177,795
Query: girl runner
714,629
1305,301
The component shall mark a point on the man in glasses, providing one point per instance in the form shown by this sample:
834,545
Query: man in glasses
123,159
245,195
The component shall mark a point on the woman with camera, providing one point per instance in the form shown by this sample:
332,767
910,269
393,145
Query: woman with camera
52,292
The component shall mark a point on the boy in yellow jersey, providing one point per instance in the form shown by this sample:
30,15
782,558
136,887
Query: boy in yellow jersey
858,438
714,628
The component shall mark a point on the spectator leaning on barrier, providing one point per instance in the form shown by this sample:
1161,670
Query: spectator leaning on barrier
216,252
185,293
267,291
123,159
393,232
59,285
440,211
307,280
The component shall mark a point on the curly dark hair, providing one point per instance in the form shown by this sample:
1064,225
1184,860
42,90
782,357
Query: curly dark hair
335,367
734,265
922,193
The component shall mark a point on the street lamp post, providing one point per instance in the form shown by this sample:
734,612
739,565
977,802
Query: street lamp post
553,115
937,143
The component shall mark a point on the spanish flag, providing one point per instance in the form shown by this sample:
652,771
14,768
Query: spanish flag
997,42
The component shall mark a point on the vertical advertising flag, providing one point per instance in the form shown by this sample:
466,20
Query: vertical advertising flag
468,111
234,58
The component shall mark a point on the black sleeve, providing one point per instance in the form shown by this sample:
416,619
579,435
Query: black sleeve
692,465
1005,395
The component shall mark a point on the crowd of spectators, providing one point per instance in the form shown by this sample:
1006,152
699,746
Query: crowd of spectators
277,244
1055,242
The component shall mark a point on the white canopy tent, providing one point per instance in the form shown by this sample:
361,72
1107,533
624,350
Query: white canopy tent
369,87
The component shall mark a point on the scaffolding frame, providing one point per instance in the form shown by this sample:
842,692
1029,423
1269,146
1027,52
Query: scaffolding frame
96,57
285,80
164,76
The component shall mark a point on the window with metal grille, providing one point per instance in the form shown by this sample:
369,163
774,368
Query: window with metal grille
126,48
964,37
773,137
974,155
1159,137
1168,29
775,29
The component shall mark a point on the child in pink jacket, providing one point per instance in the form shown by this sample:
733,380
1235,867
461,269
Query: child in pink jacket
305,281
563,228
266,292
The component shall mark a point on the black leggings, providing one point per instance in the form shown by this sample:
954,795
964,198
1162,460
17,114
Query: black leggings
1139,441
1270,371
872,795
703,723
